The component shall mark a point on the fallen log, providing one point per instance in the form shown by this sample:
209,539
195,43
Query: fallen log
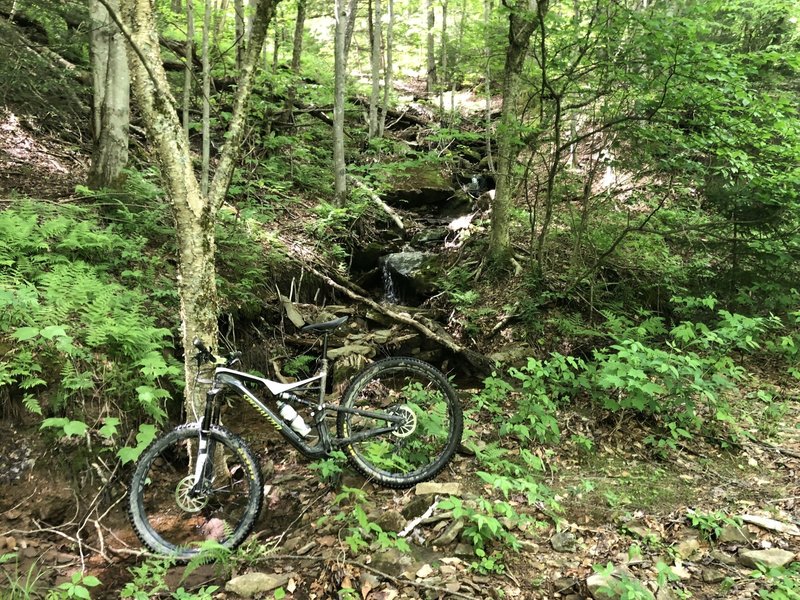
480,362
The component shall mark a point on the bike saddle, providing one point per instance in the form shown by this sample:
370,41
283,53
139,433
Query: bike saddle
326,326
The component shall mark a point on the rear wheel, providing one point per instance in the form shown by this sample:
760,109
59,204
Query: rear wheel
425,438
169,518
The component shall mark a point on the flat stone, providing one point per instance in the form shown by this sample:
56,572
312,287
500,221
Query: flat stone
450,534
687,547
564,542
712,575
427,488
732,534
723,557
771,524
464,549
351,349
250,584
774,557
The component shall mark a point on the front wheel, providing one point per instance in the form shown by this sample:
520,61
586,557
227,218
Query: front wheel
426,435
169,517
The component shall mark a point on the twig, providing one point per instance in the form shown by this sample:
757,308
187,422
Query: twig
398,581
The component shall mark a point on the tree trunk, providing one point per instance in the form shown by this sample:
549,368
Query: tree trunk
297,54
352,11
206,152
238,9
523,20
427,8
340,65
375,63
193,211
188,79
387,70
443,78
111,100
487,54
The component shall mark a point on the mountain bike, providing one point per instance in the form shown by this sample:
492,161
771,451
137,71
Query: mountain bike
398,422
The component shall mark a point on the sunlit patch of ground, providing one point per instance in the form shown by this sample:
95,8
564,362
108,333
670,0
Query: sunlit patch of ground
32,165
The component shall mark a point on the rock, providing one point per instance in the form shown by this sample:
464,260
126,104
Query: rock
392,561
424,571
687,547
564,584
250,584
427,488
350,350
450,534
723,557
665,593
464,549
512,354
639,529
601,587
409,274
564,542
732,534
771,524
680,571
712,575
416,507
11,543
774,557
391,520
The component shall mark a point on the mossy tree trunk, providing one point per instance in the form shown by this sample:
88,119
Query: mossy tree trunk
523,21
194,212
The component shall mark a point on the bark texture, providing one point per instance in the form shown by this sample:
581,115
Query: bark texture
194,212
340,67
111,100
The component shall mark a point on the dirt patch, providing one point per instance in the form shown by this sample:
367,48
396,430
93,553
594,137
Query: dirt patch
33,165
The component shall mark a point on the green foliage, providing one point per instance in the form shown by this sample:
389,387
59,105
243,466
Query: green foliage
23,585
329,468
711,525
781,583
77,587
621,587
359,530
67,322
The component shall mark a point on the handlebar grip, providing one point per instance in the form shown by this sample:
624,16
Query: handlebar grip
198,343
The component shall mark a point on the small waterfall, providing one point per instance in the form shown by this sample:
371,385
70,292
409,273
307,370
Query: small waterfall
389,292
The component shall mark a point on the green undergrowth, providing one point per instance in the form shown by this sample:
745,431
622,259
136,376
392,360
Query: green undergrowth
89,308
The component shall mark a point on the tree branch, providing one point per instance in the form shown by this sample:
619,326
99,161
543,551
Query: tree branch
233,138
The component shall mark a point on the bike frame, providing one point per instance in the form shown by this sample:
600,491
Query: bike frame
226,379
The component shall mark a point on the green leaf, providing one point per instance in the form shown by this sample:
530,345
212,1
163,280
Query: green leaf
81,592
91,581
54,422
25,333
75,428
279,593
52,331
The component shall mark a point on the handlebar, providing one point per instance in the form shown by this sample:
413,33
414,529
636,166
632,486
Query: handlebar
205,355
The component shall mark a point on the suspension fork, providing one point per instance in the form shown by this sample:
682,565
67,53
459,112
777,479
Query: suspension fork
205,445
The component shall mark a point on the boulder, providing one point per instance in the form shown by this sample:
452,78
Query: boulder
251,584
771,558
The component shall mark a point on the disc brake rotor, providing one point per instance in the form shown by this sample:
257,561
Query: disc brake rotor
184,500
409,423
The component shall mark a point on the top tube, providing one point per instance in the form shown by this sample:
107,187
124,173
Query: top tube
274,387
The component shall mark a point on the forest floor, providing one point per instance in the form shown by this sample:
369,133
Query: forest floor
698,511
620,507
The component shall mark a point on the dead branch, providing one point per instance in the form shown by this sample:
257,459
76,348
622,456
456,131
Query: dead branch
477,360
